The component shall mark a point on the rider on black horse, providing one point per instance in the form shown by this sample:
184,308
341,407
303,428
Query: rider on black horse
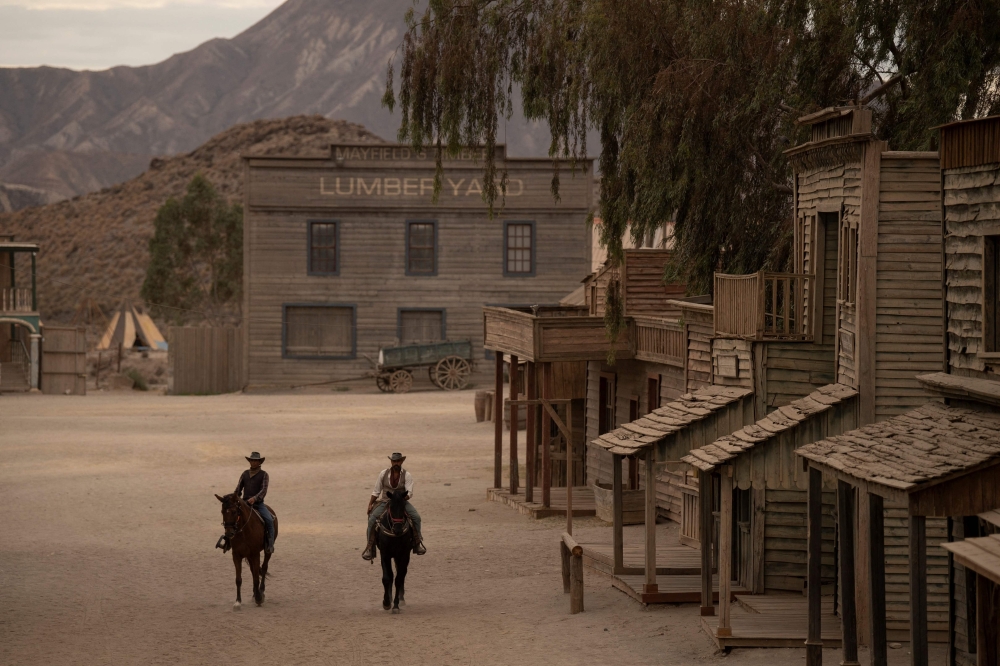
390,479
253,483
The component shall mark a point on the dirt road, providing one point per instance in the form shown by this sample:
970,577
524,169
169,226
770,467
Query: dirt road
106,554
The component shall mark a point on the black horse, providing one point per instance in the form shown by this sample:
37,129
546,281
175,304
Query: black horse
395,541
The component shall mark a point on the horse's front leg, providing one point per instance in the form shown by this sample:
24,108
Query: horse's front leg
238,562
254,560
263,573
386,579
402,564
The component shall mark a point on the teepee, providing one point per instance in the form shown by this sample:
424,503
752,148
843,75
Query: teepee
131,327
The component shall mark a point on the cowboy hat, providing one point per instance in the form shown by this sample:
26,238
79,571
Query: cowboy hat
397,457
255,456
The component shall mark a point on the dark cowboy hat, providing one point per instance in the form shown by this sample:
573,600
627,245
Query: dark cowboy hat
397,457
255,456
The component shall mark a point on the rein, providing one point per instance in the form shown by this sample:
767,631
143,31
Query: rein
237,527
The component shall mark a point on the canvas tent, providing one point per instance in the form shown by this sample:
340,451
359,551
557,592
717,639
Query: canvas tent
132,327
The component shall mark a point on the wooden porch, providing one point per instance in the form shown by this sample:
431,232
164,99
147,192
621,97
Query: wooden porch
583,501
772,620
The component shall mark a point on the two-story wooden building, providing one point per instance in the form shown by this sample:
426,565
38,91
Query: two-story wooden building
349,252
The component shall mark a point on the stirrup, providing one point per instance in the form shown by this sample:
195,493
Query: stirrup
418,546
369,553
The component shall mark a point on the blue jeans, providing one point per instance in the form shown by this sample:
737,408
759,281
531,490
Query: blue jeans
268,521
380,508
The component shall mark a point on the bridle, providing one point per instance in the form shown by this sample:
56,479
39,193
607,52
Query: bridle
236,526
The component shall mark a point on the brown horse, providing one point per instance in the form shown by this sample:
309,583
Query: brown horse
246,533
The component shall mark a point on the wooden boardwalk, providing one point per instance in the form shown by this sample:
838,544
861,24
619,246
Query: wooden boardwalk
583,502
773,620
678,571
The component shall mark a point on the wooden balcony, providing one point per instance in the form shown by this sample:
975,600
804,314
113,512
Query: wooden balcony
16,299
660,341
763,306
552,334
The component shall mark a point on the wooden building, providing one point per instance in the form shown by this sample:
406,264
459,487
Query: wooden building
20,322
349,252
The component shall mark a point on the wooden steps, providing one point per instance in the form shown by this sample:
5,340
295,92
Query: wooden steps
672,589
583,502
779,620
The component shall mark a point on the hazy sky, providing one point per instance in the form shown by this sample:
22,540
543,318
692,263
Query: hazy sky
97,34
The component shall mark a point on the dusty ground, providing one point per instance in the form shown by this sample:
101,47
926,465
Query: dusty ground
106,555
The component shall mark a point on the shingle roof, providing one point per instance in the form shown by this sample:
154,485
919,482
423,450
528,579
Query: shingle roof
669,419
928,443
981,554
784,418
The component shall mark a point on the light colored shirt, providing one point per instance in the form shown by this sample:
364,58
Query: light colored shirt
384,483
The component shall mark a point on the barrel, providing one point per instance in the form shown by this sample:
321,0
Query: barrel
481,398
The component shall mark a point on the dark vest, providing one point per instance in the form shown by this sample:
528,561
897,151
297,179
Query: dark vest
252,484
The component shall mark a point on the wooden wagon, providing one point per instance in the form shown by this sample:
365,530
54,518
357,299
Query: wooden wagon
448,364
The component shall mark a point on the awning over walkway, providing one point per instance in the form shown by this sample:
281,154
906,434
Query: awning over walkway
923,451
981,554
728,447
661,423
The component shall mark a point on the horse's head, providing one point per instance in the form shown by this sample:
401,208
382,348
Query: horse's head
231,511
397,509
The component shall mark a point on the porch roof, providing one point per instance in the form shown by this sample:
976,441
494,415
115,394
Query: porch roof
981,554
907,453
673,417
728,447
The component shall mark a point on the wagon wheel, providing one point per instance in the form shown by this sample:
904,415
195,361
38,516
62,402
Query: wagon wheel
430,375
400,381
382,382
452,373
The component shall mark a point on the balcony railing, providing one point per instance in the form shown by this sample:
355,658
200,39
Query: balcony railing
763,306
16,299
660,341
552,335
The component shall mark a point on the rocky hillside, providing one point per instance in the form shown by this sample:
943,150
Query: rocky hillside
71,132
96,246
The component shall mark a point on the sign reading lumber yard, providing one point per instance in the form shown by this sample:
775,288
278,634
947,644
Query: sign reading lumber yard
381,176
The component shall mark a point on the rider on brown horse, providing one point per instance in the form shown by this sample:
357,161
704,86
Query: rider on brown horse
253,483
390,479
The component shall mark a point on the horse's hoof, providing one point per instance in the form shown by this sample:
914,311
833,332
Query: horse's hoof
402,603
237,606
386,606
396,611
262,598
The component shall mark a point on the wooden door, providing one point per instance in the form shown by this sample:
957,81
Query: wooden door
606,409
742,538
652,393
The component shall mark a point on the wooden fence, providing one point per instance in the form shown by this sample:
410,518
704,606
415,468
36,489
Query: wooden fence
64,360
206,361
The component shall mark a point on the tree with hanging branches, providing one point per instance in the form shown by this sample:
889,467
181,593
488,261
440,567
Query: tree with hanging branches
694,102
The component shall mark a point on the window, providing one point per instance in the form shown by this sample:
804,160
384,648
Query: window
319,331
991,293
847,271
606,408
421,326
652,392
323,248
421,248
519,249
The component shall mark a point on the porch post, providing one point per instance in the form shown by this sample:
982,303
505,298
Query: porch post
35,338
530,443
725,550
705,536
546,438
814,641
650,585
618,536
876,580
845,514
34,286
569,468
514,418
918,590
498,421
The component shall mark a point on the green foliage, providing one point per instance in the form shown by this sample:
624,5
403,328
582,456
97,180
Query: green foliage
136,376
695,102
196,254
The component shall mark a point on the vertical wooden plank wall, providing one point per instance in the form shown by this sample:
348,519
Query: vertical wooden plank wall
64,360
206,361
908,316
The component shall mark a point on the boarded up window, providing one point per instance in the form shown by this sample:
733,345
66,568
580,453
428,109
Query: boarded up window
421,248
520,250
606,408
847,271
323,248
421,326
991,293
319,331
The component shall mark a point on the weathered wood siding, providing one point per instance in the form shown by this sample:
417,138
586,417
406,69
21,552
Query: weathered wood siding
729,355
701,330
793,371
785,539
645,291
897,576
283,195
908,335
971,211
205,361
64,360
